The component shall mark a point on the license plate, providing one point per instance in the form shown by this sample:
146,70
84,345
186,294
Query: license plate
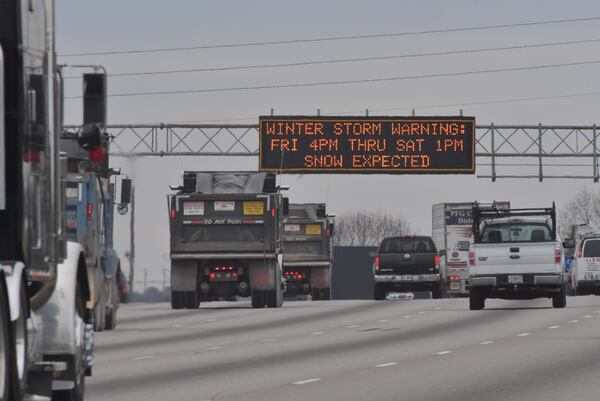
224,206
194,208
313,229
405,278
515,279
591,276
292,228
254,208
455,286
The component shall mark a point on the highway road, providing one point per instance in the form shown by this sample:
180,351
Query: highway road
352,350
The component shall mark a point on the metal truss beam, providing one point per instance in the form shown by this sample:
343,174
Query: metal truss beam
502,151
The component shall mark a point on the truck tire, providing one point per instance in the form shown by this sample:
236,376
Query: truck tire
378,292
5,348
258,299
111,319
476,299
99,316
192,300
436,292
321,294
560,300
177,300
19,359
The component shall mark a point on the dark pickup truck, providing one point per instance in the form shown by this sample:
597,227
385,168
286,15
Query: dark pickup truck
409,263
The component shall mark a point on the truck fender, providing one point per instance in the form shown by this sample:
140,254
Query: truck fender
14,275
110,264
60,329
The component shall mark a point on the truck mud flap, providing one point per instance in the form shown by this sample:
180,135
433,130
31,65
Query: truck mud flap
264,275
320,277
184,275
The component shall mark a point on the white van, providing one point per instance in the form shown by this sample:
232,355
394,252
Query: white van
585,276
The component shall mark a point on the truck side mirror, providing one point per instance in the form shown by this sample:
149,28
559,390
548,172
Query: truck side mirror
286,206
125,191
442,253
569,243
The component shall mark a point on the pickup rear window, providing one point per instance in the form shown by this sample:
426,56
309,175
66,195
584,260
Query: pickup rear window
516,232
407,245
591,248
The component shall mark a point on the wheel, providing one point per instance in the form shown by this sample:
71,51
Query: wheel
192,300
111,319
436,292
19,360
99,316
560,300
177,300
258,300
476,299
5,349
379,292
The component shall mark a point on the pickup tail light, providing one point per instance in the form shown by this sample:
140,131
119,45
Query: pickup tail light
472,258
557,255
437,262
580,251
90,210
376,265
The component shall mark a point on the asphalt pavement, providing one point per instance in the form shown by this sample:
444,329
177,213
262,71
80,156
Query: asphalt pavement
351,350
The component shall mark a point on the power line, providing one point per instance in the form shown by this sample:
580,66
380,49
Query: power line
350,60
331,38
347,82
415,107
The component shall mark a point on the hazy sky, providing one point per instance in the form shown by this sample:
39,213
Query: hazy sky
143,24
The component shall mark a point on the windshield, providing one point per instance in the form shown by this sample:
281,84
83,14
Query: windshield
516,232
591,248
407,245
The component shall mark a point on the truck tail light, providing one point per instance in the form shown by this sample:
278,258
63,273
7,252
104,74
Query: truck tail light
172,213
557,254
436,260
90,210
454,278
471,258
273,212
376,264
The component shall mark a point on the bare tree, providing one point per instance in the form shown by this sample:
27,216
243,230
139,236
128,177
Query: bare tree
368,228
582,210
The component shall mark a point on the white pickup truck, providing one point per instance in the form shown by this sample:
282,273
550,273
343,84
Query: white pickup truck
516,254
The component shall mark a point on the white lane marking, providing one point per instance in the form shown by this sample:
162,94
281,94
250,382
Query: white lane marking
438,308
177,325
553,327
443,352
486,342
383,320
316,333
316,379
385,365
406,316
268,340
142,357
587,316
573,321
210,320
352,326
422,312
523,334
216,347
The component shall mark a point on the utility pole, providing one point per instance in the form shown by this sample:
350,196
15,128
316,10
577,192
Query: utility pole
132,240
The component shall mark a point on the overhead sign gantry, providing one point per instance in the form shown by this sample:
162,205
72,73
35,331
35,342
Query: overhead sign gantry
388,145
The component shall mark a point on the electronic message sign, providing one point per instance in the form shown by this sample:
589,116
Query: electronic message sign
386,145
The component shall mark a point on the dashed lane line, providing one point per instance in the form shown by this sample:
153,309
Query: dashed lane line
553,327
316,379
142,357
443,352
523,334
573,321
352,326
316,333
268,340
214,348
486,342
387,364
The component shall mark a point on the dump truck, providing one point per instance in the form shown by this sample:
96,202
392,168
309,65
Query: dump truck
227,238
307,243
452,233
46,335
